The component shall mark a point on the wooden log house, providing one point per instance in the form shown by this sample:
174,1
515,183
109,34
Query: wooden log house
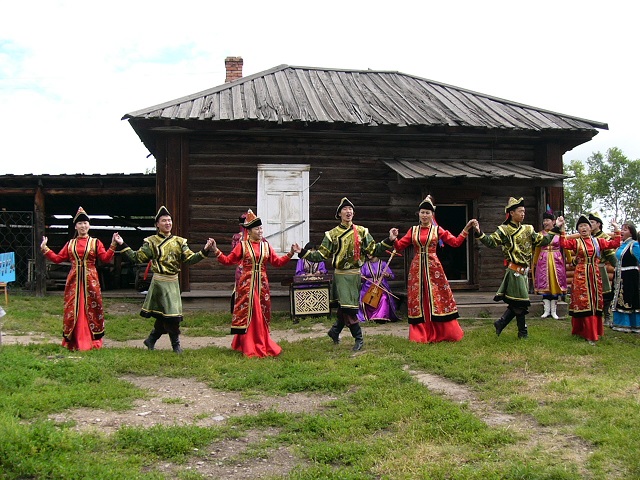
289,142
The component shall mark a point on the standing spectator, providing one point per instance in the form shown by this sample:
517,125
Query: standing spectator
586,291
516,240
549,268
83,321
431,308
626,298
167,252
252,310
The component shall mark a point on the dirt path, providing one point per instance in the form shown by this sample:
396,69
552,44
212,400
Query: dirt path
184,401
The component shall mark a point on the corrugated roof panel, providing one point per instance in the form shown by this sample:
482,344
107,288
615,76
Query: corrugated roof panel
416,169
363,97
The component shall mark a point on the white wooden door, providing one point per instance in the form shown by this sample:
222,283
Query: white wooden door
283,204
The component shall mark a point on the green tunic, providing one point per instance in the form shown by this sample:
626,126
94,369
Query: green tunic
517,242
339,247
166,254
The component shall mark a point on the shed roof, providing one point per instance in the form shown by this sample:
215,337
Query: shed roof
416,169
286,94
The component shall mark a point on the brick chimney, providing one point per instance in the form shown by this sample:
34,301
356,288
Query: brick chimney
233,66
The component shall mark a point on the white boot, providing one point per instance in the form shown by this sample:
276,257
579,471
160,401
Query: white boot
554,309
547,308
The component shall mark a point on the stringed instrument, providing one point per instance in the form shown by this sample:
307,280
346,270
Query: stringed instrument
374,294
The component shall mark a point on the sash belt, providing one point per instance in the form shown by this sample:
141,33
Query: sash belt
518,268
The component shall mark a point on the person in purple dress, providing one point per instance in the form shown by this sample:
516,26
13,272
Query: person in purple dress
305,267
549,271
376,271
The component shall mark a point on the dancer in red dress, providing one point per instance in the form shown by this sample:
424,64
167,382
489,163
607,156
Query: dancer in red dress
432,310
83,322
586,307
252,309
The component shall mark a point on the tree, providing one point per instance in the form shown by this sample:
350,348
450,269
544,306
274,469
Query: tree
609,180
576,188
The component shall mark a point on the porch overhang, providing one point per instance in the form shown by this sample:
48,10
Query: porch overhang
467,170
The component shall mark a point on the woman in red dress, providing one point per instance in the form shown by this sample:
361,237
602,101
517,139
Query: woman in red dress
252,309
586,292
83,322
432,309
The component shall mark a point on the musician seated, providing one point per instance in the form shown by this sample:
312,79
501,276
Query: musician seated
307,268
377,302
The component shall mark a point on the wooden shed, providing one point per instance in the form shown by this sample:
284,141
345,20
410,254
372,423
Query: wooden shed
33,206
289,142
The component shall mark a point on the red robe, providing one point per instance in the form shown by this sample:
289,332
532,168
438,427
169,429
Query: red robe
252,309
83,322
431,307
586,292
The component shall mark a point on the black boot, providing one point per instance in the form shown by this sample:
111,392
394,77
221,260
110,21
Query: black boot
522,326
335,336
334,331
356,332
150,341
606,313
175,342
503,321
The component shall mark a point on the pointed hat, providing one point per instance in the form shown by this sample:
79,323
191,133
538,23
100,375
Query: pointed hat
513,204
81,216
427,204
345,202
162,211
251,220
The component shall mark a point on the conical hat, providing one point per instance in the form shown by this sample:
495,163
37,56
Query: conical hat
81,216
428,204
582,219
513,204
162,211
345,202
252,220
596,216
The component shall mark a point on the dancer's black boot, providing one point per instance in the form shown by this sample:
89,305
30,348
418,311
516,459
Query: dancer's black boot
175,342
150,341
334,331
522,326
356,332
503,321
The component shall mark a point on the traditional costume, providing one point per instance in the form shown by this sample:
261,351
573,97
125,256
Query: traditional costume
550,272
305,267
432,310
586,291
607,255
517,241
235,240
83,322
252,310
377,272
346,247
626,298
163,301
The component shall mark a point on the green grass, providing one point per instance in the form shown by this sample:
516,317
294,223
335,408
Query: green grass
380,422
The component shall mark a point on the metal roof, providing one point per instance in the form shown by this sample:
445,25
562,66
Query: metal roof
362,97
412,169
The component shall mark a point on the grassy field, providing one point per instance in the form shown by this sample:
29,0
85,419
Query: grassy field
577,405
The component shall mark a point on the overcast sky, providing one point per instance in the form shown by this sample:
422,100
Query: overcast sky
69,70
